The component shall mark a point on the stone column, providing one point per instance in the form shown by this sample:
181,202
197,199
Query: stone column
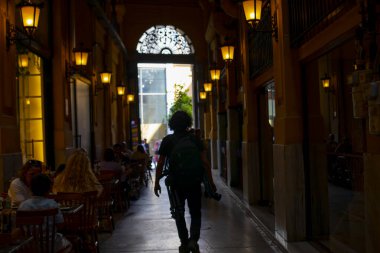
222,134
289,179
213,131
232,146
372,205
61,87
250,147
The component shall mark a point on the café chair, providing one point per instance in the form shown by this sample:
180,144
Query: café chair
105,204
39,224
85,222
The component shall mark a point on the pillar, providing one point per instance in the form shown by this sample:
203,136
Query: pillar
289,178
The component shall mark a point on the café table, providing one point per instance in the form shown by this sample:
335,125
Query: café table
10,243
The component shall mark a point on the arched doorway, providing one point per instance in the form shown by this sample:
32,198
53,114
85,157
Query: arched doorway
165,65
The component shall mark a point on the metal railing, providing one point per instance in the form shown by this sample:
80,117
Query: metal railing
307,18
260,45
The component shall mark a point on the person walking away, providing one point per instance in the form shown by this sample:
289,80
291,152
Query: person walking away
187,161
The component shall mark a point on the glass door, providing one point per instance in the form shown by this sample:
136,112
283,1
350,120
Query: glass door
31,114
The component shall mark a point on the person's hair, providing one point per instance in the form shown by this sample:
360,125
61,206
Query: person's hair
59,169
27,166
140,148
40,185
108,155
180,121
78,175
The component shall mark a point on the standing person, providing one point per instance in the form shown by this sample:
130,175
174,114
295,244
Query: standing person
146,146
186,185
19,189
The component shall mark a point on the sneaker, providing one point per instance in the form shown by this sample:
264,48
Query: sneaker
193,246
183,249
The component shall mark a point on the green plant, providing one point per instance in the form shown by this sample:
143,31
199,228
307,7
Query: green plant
182,101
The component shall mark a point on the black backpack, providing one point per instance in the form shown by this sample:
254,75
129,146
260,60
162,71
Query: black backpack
185,163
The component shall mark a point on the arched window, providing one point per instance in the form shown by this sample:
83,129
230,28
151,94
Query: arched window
164,39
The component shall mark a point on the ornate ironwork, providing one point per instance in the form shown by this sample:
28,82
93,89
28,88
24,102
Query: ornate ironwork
260,45
164,39
307,17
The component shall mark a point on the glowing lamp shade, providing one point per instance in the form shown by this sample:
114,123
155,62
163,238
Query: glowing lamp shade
130,98
215,74
30,14
202,95
227,53
81,57
23,60
120,90
105,77
252,11
27,101
326,82
207,87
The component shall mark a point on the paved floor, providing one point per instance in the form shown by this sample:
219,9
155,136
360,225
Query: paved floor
148,227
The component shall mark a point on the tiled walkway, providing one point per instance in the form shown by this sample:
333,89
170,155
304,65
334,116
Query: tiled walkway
148,227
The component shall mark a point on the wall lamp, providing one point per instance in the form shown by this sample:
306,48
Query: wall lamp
81,55
253,13
130,98
80,60
202,95
207,86
120,89
215,74
227,52
326,80
23,60
105,77
30,14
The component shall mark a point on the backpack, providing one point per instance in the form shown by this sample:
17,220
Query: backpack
185,163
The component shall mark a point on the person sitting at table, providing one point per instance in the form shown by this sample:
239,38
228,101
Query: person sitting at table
19,189
137,156
78,175
140,154
109,164
40,187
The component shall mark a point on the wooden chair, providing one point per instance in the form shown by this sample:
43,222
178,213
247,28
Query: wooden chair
136,179
116,189
105,204
85,223
39,224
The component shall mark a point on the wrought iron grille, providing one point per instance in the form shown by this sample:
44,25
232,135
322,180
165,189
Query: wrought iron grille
307,18
260,44
164,39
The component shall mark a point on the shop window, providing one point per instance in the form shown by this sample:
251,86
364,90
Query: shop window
30,109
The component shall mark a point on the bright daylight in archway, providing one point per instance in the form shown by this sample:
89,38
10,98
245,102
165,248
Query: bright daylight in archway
157,81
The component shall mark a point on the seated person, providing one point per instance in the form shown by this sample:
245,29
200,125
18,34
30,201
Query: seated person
137,156
140,154
77,176
109,164
120,156
19,189
40,187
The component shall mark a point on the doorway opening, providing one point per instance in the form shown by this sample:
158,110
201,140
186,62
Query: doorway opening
157,87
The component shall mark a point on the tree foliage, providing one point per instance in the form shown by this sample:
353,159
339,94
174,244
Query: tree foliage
182,101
